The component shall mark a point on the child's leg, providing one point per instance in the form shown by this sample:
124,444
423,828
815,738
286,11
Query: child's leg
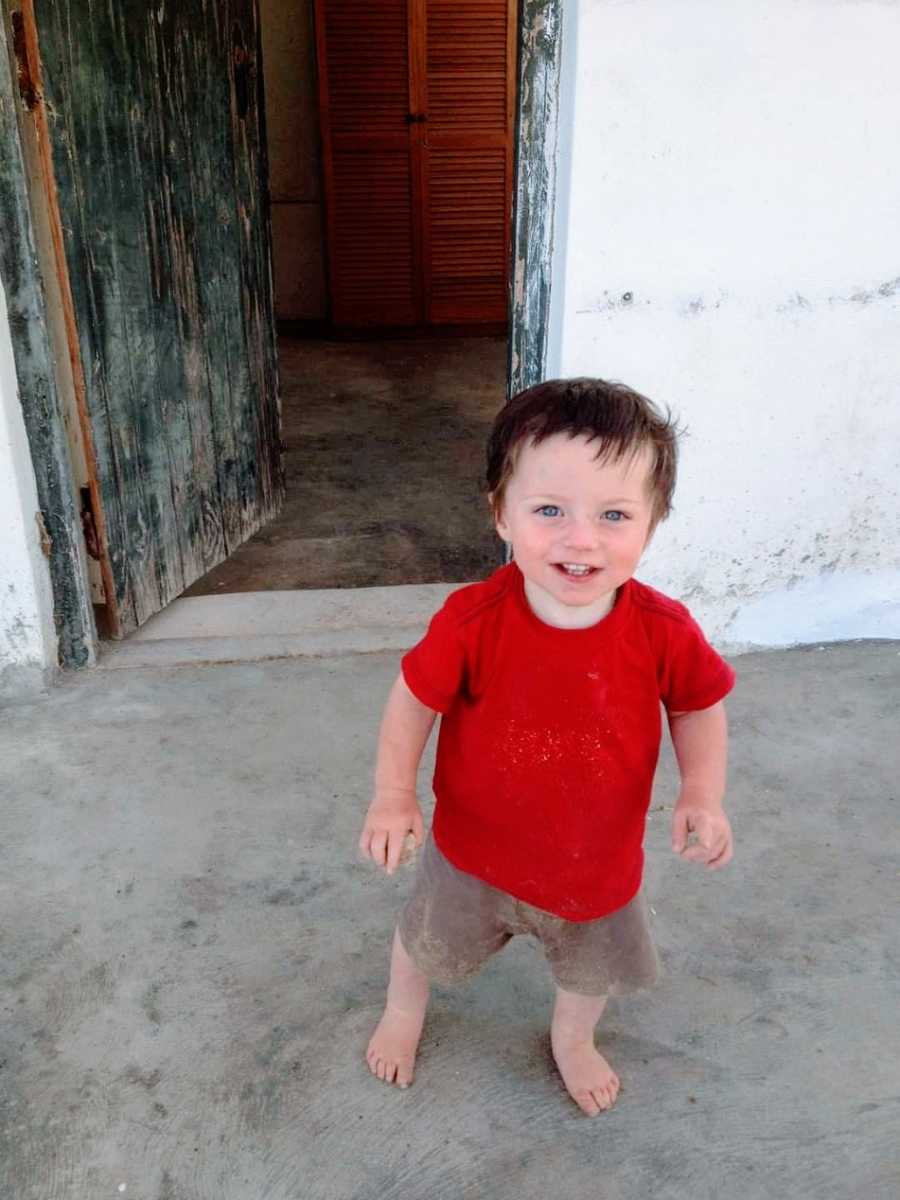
451,924
589,1079
392,1051
591,960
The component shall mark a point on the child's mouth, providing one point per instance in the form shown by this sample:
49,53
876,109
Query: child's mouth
575,570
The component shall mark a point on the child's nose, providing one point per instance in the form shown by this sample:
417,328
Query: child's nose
581,534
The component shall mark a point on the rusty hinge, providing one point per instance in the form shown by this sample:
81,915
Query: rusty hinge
89,523
27,88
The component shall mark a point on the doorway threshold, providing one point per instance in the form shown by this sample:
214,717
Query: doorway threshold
250,626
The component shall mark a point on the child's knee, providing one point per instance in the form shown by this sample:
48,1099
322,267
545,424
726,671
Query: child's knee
444,960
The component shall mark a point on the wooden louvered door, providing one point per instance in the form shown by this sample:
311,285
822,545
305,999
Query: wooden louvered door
417,102
470,50
364,102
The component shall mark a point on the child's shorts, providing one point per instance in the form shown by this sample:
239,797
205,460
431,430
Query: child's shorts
453,922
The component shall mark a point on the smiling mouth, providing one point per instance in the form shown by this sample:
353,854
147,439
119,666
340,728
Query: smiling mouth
575,570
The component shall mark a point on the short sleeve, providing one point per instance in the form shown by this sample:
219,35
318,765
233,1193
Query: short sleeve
434,670
692,675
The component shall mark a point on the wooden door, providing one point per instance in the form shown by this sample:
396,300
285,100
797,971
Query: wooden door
417,102
470,49
365,100
155,169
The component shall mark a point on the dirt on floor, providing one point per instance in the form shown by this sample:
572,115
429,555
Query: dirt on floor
384,460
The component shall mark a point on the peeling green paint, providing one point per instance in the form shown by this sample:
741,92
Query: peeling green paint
540,38
155,120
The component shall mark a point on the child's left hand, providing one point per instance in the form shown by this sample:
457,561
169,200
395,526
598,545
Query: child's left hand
714,843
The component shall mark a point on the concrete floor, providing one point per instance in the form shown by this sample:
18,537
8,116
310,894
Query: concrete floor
384,454
193,960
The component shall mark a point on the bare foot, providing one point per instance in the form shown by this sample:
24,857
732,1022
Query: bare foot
392,1051
589,1079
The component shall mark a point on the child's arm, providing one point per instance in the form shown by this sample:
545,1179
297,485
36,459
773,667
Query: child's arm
394,810
700,740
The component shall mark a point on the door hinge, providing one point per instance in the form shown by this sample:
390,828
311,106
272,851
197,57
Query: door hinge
89,524
27,87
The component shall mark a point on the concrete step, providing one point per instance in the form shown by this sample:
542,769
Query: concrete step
249,626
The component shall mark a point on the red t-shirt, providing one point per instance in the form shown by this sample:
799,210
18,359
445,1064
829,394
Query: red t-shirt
549,737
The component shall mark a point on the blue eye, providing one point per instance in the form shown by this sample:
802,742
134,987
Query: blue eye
548,510
615,516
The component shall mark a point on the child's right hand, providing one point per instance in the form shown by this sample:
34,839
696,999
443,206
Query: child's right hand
393,813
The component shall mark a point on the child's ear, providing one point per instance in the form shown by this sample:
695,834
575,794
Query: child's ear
499,521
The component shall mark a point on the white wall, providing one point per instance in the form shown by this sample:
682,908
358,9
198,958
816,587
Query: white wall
729,244
27,634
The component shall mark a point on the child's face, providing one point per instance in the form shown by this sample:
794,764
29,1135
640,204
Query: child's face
578,526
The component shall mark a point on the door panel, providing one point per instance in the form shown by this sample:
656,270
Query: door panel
156,130
468,65
372,254
467,231
364,82
366,55
468,157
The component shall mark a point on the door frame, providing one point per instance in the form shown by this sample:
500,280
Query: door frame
30,279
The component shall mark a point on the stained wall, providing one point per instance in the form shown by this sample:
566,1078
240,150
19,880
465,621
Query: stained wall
727,242
27,635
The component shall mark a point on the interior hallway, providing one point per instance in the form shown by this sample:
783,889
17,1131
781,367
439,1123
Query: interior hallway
384,456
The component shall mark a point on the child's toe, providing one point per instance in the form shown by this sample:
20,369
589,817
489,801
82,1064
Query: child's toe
587,1103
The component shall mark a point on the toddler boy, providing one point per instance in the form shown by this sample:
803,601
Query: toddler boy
548,677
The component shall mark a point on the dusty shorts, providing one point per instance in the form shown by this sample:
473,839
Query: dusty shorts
453,922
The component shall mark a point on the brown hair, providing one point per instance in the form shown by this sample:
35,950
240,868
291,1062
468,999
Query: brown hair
621,420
